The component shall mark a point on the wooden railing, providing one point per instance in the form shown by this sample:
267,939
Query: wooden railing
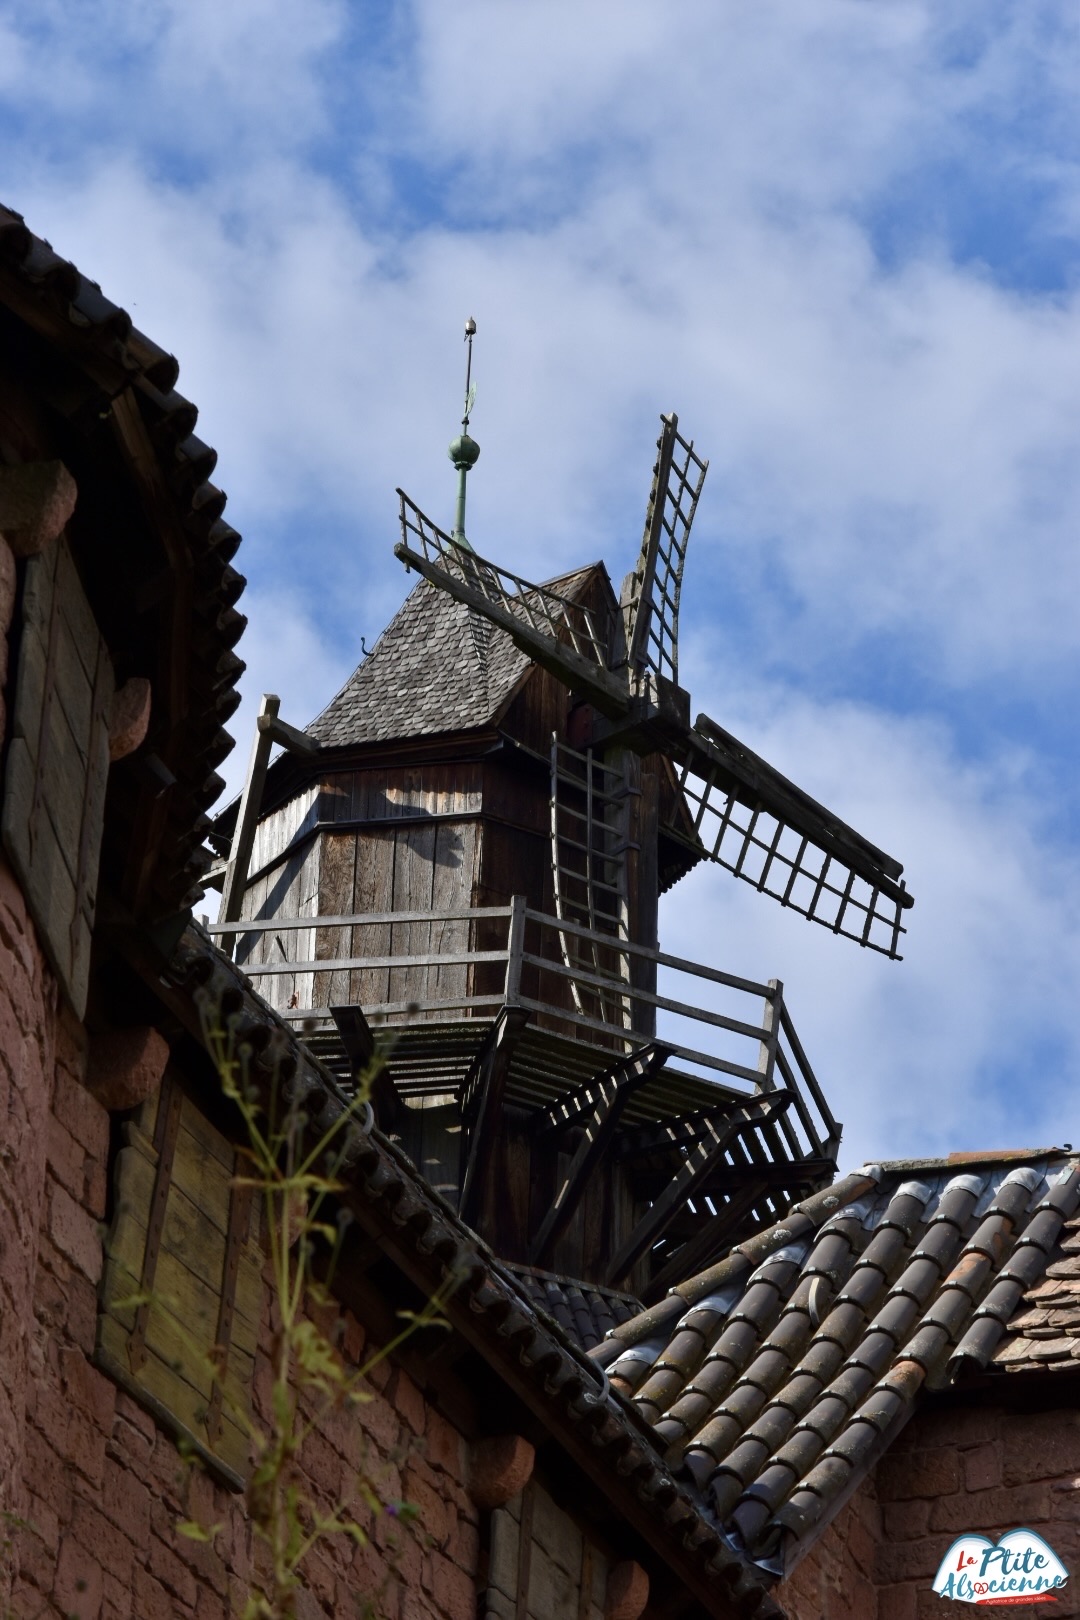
520,962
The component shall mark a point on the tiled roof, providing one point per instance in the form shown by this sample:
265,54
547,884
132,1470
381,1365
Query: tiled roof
583,1310
1044,1334
437,667
776,1379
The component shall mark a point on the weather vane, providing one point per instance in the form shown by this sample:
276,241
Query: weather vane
463,451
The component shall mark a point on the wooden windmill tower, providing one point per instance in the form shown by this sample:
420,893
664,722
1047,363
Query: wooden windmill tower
459,862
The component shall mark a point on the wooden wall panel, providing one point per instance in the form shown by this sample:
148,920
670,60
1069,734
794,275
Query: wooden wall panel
57,763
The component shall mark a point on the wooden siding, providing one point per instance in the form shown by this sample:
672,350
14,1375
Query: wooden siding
182,1289
58,762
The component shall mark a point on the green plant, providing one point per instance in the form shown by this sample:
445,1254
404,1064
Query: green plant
294,1168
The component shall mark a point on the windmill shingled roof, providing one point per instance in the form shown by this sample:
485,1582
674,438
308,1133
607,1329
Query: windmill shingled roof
776,1379
437,667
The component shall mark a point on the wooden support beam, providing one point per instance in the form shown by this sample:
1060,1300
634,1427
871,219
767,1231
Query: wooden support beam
630,1070
247,816
269,729
609,1095
708,1244
494,1070
359,1044
696,1167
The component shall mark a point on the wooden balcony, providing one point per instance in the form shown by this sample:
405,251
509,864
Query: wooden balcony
431,984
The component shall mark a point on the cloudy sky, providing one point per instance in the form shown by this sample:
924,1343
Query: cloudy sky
839,237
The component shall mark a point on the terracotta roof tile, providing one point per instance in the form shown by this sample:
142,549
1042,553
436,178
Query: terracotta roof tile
776,1378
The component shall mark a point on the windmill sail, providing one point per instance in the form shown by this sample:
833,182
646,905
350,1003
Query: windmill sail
651,593
560,634
745,815
755,823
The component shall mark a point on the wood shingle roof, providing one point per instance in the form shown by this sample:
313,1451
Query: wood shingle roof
437,667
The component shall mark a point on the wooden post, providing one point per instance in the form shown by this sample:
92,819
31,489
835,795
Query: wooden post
515,948
771,1025
232,890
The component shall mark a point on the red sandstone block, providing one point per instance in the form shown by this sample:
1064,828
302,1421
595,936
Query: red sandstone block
407,1401
380,1423
75,1233
125,1500
455,1590
82,1114
88,1390
172,1572
463,1545
984,1511
84,1447
322,1465
434,1514
95,1187
66,1158
443,1445
212,1606
78,1584
35,1558
1040,1445
912,1560
150,1600
918,1473
982,1467
91,1529
203,1560
29,1601
46,1474
129,1448
116,1599
897,1602
43,1521
904,1521
353,1339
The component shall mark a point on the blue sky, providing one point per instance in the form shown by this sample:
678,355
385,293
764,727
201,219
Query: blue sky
839,238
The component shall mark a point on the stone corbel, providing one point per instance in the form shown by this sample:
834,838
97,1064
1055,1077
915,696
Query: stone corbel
126,1066
36,500
499,1467
129,717
627,1591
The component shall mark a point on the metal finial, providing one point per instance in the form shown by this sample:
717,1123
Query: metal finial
464,451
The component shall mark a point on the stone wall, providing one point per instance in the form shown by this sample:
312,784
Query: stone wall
981,1469
90,1487
835,1580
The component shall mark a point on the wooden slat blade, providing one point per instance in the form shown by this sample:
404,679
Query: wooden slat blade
758,825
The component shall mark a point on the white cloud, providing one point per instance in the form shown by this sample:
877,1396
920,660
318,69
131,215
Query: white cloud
739,213
940,1052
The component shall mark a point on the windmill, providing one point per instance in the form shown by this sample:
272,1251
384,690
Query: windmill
458,865
743,814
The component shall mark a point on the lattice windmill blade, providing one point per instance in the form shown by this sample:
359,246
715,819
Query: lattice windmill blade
755,823
651,594
557,632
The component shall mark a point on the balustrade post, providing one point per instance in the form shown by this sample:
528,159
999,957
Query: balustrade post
770,1023
515,947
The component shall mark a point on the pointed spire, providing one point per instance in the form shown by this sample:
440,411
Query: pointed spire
463,451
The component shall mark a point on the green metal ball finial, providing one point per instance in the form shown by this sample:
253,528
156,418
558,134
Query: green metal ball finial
463,452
